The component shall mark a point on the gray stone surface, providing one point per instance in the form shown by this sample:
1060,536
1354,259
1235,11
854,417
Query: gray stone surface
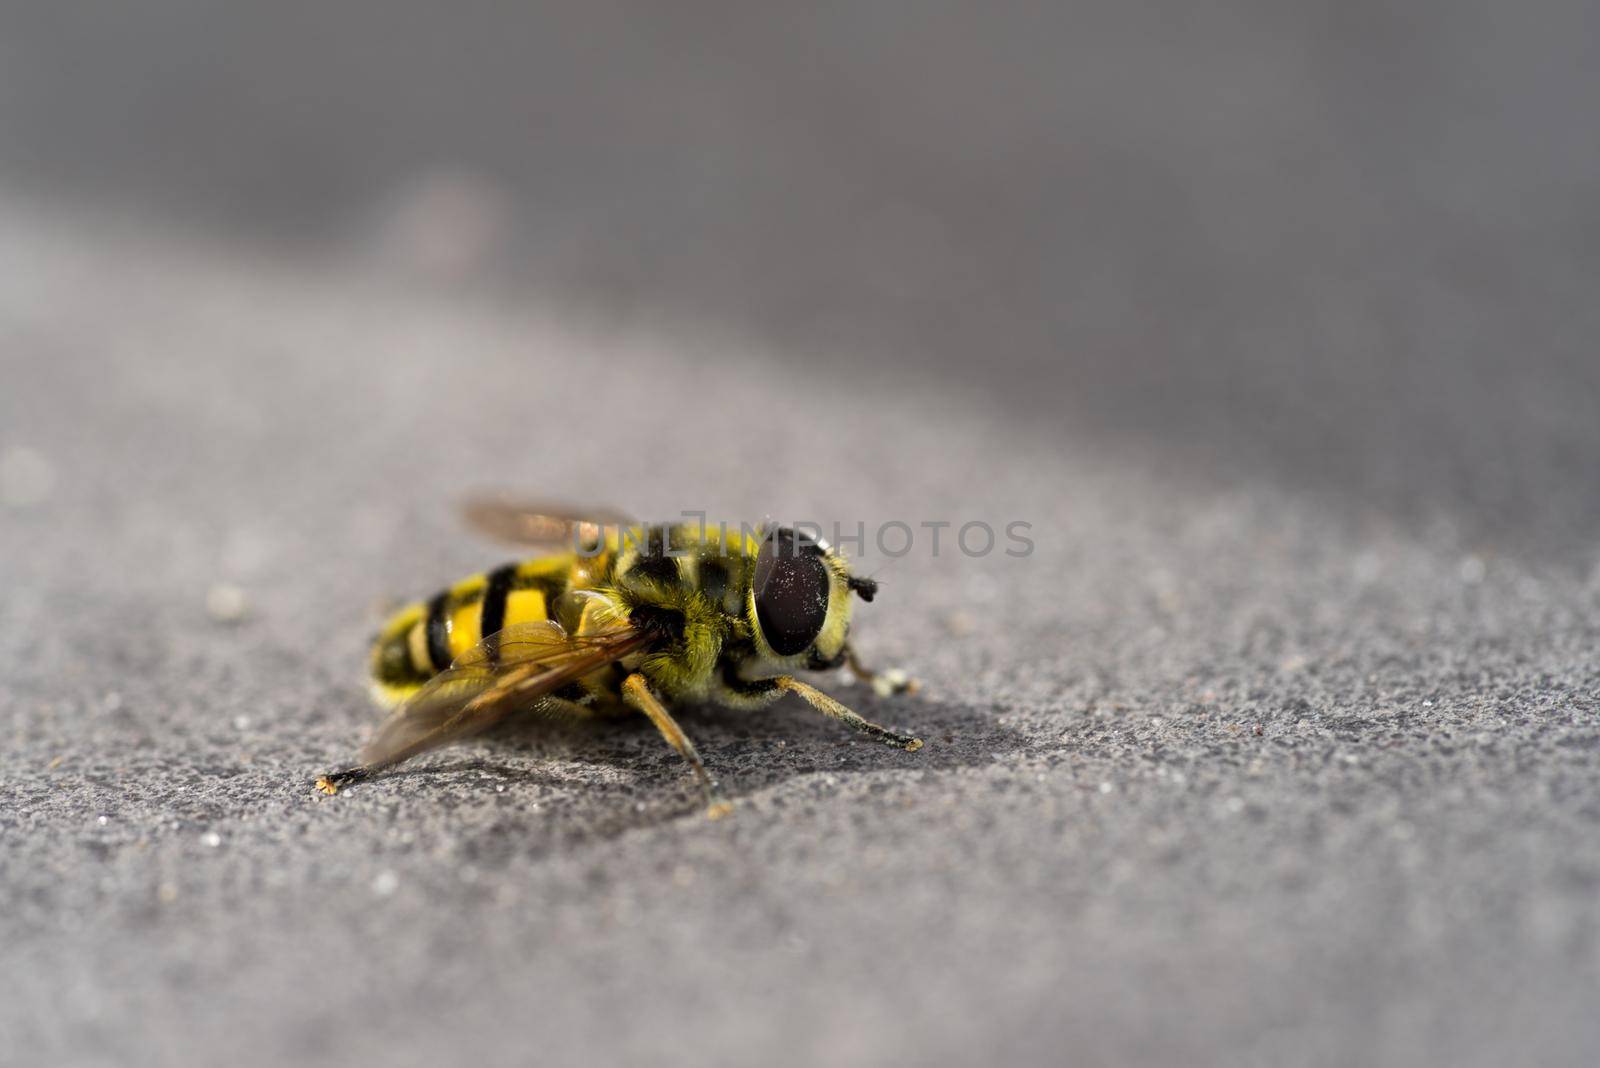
1229,774
1276,321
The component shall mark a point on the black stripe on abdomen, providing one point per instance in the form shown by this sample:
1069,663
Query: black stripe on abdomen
439,630
495,593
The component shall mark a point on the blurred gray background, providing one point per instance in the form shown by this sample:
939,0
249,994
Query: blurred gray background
1277,319
1347,245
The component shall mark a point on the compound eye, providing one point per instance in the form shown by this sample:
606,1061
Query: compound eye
791,591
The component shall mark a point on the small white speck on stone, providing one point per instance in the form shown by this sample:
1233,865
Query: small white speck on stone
1106,788
211,839
500,788
227,603
241,723
386,883
1235,805
112,702
103,820
26,477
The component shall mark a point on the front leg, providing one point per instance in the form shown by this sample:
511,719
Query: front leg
636,692
833,709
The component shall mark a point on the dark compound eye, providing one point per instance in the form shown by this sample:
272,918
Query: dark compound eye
791,589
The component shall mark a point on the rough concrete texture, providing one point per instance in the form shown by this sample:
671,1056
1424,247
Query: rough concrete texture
1225,772
1277,322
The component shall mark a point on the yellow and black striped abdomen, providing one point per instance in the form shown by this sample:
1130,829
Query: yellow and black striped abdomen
424,638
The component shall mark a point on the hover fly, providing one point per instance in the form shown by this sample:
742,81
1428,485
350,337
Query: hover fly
618,619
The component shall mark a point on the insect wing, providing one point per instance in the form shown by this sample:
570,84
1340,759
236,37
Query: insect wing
503,673
539,525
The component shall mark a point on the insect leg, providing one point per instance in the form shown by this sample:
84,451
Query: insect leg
883,683
829,707
636,692
330,783
559,708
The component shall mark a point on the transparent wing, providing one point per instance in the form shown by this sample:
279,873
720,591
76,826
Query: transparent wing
504,673
543,525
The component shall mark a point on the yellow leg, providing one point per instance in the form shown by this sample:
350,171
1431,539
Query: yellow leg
636,691
829,707
563,709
